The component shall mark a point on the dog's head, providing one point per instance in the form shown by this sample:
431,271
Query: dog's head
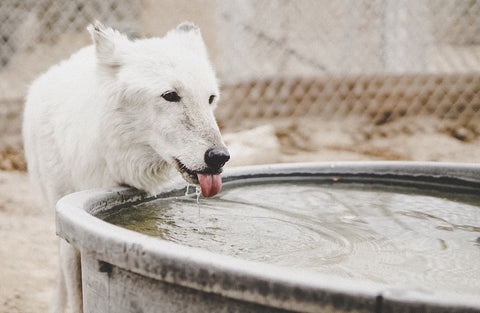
165,91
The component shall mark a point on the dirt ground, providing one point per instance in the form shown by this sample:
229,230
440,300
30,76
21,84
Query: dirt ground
28,249
28,254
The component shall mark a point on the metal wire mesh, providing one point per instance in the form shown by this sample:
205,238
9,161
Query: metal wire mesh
377,60
36,34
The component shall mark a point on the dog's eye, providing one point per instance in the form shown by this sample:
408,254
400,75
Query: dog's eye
171,96
210,100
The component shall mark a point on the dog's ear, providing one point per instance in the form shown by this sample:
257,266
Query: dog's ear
107,42
188,27
192,35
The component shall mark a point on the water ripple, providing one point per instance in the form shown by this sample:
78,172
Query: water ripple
392,235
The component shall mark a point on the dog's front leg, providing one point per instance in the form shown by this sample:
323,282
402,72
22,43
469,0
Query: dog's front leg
72,276
59,300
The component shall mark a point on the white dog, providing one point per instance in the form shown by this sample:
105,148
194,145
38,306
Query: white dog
123,112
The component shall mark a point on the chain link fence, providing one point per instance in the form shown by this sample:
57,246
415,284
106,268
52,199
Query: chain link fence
377,60
372,60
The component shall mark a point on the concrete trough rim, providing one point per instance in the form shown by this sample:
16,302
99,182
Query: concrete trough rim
250,281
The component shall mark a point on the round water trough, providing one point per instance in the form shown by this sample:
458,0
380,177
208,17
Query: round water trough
127,271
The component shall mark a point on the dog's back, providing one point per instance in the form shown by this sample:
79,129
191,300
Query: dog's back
59,126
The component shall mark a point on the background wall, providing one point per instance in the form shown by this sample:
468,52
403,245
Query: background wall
371,60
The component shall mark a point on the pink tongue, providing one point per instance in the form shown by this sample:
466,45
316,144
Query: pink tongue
210,184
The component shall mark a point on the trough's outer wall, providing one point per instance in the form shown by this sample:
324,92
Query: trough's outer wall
165,276
122,291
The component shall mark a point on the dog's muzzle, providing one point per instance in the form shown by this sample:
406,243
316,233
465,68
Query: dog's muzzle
209,178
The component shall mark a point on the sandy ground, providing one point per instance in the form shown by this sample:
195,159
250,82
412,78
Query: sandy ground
28,254
28,249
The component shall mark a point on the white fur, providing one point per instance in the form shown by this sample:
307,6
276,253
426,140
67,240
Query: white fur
98,119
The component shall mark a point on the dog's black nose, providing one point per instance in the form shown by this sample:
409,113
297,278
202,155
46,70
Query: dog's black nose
216,157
